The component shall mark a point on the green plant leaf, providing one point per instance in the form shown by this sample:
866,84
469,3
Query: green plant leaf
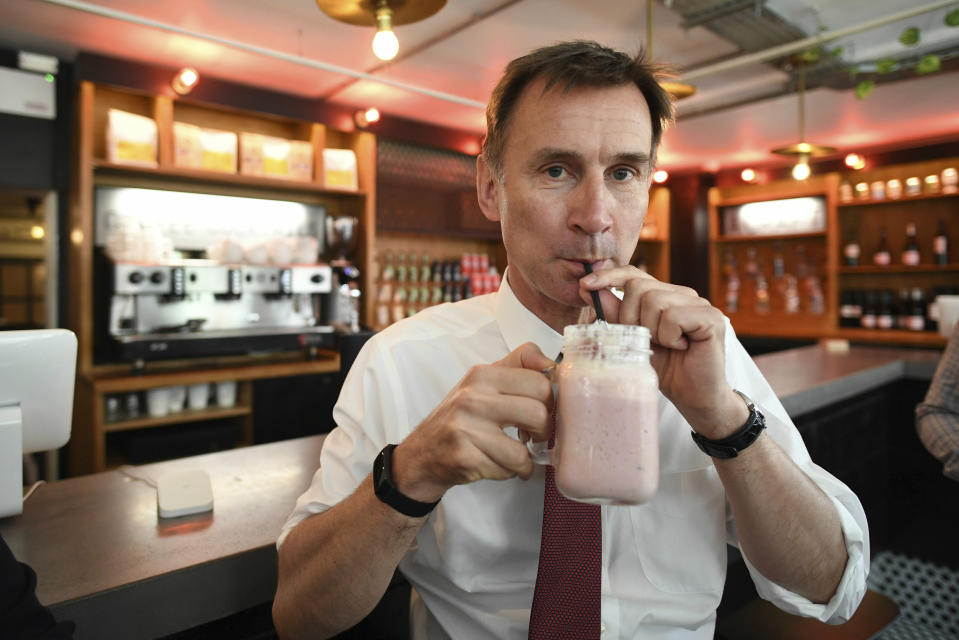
886,65
910,37
811,56
928,64
952,18
864,88
835,52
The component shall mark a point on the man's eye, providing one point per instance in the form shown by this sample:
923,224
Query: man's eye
555,172
622,174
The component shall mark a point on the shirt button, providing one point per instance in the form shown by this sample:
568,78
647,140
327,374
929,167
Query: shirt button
602,628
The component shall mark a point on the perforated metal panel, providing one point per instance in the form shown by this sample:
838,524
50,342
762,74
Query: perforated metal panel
927,595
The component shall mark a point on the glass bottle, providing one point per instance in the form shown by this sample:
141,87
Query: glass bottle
870,302
851,251
940,245
917,313
607,413
882,256
884,316
910,250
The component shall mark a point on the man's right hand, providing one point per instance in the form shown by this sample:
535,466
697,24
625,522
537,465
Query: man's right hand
462,440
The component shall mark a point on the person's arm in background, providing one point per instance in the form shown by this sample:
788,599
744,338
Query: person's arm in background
937,417
22,617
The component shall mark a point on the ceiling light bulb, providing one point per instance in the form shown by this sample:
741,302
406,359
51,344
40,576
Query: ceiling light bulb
37,232
660,176
185,80
855,161
385,44
748,175
801,171
366,117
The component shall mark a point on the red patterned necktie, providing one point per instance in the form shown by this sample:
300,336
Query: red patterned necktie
566,602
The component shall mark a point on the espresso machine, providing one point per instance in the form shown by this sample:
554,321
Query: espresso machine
154,300
196,308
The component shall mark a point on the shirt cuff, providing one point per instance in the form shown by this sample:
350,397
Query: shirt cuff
852,586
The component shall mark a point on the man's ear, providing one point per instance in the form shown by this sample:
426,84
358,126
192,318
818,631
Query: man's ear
487,190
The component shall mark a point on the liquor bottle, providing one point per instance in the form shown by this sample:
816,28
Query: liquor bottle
917,313
940,245
910,250
850,251
884,317
868,320
904,309
882,256
762,294
847,310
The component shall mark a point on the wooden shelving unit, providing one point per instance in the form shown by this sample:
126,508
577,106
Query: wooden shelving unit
97,381
862,218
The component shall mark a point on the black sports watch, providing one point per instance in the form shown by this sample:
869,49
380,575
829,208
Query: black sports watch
385,489
729,447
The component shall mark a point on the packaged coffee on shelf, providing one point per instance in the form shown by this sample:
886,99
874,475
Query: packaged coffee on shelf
131,139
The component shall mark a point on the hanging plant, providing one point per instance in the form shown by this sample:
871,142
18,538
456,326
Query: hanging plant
910,37
928,64
952,18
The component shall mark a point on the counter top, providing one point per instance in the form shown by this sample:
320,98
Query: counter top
106,561
810,378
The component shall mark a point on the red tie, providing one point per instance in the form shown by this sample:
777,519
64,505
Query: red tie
566,602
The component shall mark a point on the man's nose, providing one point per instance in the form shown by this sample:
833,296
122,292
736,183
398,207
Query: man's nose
592,206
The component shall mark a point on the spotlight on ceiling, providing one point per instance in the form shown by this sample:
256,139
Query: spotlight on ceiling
383,16
855,161
366,117
184,81
748,175
660,176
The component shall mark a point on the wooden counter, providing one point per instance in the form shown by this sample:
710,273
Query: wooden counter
105,561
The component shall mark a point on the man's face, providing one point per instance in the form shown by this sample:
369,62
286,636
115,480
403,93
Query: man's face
574,189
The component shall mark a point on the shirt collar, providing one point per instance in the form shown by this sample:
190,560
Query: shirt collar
517,324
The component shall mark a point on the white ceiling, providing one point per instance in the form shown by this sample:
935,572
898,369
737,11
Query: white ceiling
216,35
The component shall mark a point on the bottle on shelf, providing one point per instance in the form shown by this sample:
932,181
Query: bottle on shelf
910,250
940,245
917,311
868,319
904,308
850,309
882,256
851,251
884,314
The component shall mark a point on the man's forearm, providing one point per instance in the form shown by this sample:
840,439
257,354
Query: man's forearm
787,526
334,567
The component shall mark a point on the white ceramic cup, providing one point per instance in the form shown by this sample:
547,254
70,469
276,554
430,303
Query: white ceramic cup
158,402
177,398
198,395
226,393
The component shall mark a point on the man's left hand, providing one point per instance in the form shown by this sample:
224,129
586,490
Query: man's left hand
687,335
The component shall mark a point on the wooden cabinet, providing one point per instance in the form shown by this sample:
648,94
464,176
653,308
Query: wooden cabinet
91,168
739,257
775,284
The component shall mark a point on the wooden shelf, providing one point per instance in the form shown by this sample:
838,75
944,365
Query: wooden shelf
113,382
899,269
103,167
870,201
180,417
773,237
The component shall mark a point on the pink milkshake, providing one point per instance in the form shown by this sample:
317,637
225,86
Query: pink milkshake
607,433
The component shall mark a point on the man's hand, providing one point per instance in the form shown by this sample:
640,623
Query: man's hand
687,335
462,440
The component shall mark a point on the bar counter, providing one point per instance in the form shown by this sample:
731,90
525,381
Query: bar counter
105,560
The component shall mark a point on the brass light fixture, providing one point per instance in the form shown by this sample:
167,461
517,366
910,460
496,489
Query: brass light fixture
382,14
803,149
678,90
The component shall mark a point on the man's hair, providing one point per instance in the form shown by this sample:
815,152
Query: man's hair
580,63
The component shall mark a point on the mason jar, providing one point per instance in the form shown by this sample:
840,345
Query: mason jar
607,415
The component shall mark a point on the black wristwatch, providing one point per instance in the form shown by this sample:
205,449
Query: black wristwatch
730,446
385,489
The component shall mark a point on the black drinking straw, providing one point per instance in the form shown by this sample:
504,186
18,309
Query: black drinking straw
596,303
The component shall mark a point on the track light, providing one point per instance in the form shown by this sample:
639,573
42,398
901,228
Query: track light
366,117
184,81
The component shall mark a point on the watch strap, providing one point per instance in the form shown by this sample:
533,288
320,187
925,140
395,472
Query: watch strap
386,490
731,446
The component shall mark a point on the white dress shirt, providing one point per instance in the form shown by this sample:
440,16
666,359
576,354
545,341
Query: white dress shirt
473,564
